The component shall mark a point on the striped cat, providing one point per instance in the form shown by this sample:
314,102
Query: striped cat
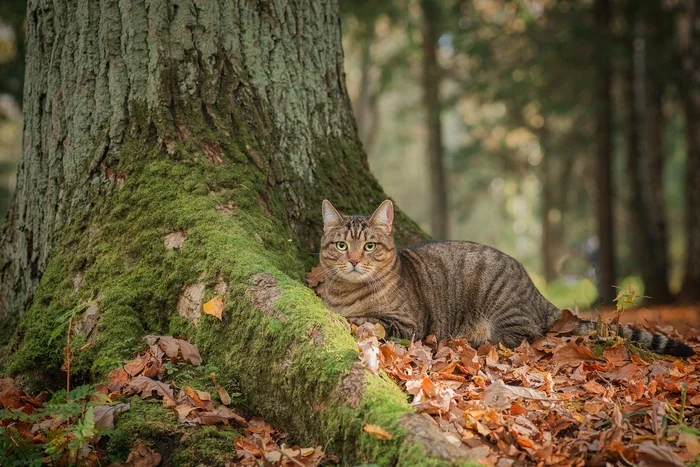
450,289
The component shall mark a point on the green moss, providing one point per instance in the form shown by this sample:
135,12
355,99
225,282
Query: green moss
599,345
206,446
148,421
288,357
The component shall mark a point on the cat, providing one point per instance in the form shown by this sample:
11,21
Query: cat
446,288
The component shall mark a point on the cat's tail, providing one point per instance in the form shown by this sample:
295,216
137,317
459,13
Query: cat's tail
647,340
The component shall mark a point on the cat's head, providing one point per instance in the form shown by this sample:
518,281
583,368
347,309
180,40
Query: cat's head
357,248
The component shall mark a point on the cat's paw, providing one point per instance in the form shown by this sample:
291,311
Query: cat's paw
360,321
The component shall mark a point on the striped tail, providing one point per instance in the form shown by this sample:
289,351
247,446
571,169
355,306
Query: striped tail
647,340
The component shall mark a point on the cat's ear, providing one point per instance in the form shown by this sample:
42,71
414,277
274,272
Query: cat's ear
331,216
384,216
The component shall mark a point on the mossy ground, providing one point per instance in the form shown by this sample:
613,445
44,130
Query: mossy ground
287,361
148,421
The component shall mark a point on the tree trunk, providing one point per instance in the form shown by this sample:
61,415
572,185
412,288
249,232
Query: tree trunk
366,104
643,96
439,222
606,257
177,151
688,40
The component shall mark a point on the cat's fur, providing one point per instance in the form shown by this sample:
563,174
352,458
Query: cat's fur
450,289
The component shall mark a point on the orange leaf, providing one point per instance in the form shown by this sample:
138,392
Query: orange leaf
214,307
377,431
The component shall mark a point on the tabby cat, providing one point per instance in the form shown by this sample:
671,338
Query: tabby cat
450,289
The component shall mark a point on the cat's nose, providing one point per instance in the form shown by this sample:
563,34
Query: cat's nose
354,262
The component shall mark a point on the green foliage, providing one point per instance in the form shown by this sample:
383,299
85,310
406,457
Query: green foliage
69,432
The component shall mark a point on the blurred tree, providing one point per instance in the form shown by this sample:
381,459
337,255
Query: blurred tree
432,77
12,14
643,94
688,47
604,201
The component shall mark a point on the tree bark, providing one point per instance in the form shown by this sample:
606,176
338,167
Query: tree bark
688,42
178,151
643,96
439,222
606,257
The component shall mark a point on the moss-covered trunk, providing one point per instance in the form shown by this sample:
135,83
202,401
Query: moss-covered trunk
177,150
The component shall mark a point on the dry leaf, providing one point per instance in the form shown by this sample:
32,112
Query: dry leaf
214,307
499,395
223,394
142,456
377,431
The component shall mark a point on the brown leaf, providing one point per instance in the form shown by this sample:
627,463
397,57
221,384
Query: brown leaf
142,456
116,379
10,394
214,307
146,386
104,414
616,355
594,387
137,365
565,324
223,394
220,415
653,455
377,431
170,346
315,277
500,395
572,354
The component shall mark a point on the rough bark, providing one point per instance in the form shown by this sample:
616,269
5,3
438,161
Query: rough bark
604,202
221,124
643,98
688,43
439,221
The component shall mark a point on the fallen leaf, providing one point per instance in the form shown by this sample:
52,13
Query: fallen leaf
652,455
104,414
214,307
499,395
616,355
116,379
145,386
565,324
142,456
377,431
10,394
223,394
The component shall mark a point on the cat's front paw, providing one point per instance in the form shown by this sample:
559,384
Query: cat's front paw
360,321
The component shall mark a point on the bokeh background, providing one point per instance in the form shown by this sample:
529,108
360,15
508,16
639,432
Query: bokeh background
481,119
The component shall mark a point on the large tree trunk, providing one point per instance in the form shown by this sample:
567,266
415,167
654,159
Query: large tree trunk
606,257
173,151
439,222
643,98
688,42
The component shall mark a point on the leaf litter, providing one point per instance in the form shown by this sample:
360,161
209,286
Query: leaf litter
145,377
555,401
552,402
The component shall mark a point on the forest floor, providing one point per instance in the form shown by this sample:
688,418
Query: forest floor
562,400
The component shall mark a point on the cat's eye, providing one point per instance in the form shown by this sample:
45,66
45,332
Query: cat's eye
369,246
342,246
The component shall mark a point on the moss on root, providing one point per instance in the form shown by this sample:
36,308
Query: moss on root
277,342
149,422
